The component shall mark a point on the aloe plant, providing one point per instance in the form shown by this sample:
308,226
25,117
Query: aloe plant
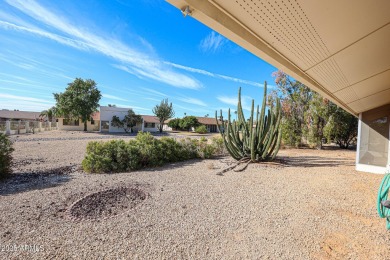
256,139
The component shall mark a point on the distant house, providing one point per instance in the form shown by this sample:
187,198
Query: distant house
20,122
148,124
209,122
6,114
166,127
93,124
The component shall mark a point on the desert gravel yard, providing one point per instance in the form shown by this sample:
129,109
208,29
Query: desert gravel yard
311,205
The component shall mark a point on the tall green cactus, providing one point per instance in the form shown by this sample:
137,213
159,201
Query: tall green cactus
257,139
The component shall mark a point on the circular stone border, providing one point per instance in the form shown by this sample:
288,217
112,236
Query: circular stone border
101,204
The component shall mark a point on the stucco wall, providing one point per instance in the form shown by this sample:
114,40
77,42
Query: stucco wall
167,128
152,130
80,127
106,114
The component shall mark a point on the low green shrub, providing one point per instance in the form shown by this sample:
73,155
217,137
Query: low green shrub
219,145
205,150
143,151
201,129
112,156
5,156
149,150
188,148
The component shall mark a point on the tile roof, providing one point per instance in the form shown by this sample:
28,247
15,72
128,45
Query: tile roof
151,119
19,115
96,116
207,120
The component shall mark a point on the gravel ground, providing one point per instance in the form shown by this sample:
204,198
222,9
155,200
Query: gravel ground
312,206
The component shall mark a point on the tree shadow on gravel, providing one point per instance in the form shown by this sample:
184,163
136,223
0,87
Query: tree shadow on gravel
20,182
314,161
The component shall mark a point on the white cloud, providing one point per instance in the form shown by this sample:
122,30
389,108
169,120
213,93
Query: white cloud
245,101
228,100
138,63
113,97
140,108
17,77
215,75
190,109
213,42
32,66
32,86
13,97
174,79
25,106
155,92
135,108
193,101
133,61
153,99
60,39
8,101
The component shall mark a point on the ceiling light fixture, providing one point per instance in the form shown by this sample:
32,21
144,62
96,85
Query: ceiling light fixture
186,11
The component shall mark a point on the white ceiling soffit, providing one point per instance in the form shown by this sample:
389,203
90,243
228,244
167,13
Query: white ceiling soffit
339,48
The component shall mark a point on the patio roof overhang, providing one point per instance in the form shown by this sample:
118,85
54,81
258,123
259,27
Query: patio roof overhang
341,49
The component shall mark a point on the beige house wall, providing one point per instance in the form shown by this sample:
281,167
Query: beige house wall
80,127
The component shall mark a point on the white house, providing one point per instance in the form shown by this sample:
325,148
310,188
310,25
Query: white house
106,114
149,123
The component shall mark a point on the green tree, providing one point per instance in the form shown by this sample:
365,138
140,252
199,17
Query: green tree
79,101
116,122
131,120
309,116
128,122
174,123
49,113
164,111
201,129
316,117
189,121
295,100
342,127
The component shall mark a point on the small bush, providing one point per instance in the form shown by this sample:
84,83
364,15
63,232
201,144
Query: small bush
143,151
219,145
149,150
205,150
201,129
188,149
111,156
5,156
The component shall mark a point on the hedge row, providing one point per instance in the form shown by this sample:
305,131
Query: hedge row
145,151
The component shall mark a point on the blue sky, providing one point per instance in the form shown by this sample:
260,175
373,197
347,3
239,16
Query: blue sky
138,52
